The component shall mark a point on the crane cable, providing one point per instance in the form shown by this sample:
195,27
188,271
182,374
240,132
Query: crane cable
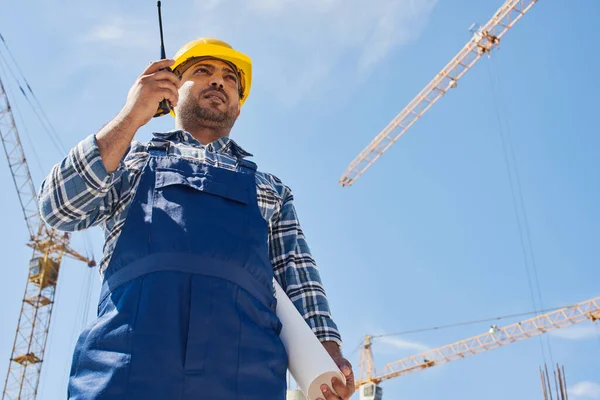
47,125
85,292
17,113
467,323
45,121
518,202
33,108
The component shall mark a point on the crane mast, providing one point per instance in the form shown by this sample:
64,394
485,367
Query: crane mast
49,247
588,310
483,41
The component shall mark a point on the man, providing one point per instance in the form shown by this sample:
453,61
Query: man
194,236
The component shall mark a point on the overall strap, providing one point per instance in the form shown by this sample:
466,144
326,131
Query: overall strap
246,166
158,147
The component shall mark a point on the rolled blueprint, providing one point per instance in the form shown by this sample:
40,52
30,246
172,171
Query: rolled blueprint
295,395
308,361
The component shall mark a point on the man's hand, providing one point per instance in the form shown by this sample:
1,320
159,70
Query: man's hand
143,100
343,391
151,87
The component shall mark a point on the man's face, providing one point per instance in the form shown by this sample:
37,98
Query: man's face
209,95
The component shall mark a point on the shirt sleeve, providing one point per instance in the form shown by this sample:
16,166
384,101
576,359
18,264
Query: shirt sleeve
296,271
79,192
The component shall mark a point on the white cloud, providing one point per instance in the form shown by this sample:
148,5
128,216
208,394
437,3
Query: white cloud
300,45
105,33
401,344
316,43
122,32
577,332
277,7
369,30
211,4
589,390
396,23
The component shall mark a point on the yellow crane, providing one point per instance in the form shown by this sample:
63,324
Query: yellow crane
483,41
49,247
369,380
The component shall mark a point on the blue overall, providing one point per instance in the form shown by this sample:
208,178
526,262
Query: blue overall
186,309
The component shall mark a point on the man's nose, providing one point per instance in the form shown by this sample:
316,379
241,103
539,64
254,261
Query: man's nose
217,82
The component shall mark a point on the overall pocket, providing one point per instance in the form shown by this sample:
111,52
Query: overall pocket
194,210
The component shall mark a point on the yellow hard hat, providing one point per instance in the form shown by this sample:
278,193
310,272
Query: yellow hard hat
208,47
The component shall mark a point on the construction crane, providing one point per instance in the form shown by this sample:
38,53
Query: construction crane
49,247
482,42
369,380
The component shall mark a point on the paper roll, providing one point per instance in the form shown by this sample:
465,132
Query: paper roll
295,395
308,361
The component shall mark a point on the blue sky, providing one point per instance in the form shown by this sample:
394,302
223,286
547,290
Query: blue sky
427,236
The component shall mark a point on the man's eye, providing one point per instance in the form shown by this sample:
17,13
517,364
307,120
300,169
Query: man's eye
232,78
203,70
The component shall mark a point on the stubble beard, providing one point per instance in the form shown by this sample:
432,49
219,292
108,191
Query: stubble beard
196,115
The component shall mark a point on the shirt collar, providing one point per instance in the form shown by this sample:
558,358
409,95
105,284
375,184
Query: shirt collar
222,145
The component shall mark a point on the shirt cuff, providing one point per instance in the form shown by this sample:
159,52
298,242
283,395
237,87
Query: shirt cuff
329,337
87,162
325,330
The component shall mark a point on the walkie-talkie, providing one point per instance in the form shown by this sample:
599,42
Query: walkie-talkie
164,107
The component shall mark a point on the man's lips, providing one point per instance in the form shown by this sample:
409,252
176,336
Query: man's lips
214,94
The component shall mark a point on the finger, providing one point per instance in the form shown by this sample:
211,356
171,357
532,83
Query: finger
346,369
350,380
167,76
158,65
344,391
165,84
328,393
345,366
170,95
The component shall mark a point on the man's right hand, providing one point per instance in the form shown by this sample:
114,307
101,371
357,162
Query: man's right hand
150,88
143,99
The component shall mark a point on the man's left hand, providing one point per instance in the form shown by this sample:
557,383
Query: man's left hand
343,391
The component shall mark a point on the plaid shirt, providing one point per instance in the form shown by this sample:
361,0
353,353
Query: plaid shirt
79,193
